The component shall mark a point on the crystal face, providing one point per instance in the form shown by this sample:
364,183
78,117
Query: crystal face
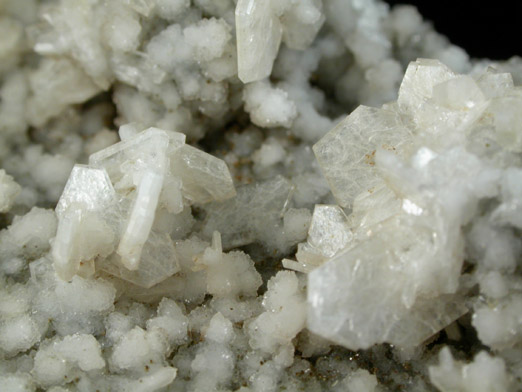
384,274
204,178
89,187
346,153
140,220
245,218
261,26
126,162
329,233
418,82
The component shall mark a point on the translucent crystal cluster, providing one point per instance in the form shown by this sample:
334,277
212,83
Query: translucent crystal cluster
397,278
114,202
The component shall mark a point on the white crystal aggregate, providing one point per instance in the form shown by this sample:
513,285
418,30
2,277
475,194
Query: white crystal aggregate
9,191
484,373
255,196
443,184
121,191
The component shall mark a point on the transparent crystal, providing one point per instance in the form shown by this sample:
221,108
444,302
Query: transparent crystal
137,168
455,105
87,187
126,161
108,210
140,220
494,84
66,263
137,70
329,231
507,117
370,208
204,177
171,195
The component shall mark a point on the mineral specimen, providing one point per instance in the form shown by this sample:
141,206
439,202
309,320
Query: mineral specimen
255,196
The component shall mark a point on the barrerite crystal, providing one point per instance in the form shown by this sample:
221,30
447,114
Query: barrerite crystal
119,194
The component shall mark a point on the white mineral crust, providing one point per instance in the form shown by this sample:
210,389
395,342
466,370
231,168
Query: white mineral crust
483,374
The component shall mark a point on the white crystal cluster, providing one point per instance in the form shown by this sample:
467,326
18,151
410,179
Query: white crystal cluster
114,201
414,174
255,196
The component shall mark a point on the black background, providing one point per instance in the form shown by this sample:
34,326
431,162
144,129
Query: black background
485,29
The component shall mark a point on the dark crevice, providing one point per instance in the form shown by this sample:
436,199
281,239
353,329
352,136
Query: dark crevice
483,31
